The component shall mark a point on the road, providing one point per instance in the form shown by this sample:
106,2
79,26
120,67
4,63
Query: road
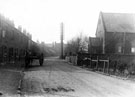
9,82
57,78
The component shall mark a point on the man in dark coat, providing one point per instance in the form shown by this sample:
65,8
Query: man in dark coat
41,59
27,59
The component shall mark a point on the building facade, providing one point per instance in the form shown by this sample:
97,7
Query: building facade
13,43
117,32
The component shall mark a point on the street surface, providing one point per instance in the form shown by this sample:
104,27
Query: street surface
9,82
57,78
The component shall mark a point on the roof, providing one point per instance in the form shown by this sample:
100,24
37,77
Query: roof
119,22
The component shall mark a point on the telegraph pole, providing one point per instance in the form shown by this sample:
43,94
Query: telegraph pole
61,40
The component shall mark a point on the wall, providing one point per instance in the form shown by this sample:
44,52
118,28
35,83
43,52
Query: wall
115,39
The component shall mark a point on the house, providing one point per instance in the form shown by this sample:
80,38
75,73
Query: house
13,42
117,32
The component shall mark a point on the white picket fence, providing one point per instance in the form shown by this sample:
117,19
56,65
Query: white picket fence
72,59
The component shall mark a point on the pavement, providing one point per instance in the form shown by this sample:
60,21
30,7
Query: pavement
10,78
57,78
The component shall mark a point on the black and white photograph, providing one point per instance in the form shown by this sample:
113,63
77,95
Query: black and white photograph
67,48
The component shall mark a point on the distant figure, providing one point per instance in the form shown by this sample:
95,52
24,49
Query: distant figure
27,59
41,59
30,58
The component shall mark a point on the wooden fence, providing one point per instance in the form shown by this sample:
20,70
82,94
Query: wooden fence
71,59
110,63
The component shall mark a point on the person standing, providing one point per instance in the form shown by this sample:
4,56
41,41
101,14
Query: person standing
27,61
41,59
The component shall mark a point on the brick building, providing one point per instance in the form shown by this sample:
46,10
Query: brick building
116,32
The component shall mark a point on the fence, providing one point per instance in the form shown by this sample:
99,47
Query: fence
108,63
71,59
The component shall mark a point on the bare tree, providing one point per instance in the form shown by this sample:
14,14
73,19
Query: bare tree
77,44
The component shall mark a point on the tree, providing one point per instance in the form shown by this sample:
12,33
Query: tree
77,44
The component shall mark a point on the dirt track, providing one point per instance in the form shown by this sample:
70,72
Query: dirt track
56,78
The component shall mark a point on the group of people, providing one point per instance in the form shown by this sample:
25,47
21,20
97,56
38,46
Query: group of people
29,59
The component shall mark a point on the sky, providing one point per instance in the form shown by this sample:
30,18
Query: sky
42,18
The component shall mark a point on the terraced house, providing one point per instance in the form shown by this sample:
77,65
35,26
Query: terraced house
13,42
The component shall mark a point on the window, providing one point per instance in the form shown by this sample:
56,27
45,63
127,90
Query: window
133,50
119,49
